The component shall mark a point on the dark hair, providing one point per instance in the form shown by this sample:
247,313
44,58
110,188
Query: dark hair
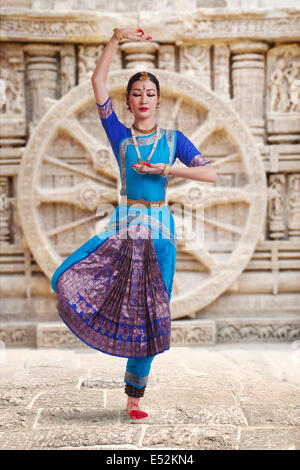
137,76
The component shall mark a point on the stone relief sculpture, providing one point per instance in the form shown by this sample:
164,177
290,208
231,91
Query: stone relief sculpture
284,79
10,86
68,68
166,57
87,61
294,206
4,215
195,62
278,103
276,206
292,74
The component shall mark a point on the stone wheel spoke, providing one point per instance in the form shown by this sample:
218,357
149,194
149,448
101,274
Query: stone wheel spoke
228,159
84,195
202,255
70,226
196,247
109,179
206,196
91,145
204,131
175,111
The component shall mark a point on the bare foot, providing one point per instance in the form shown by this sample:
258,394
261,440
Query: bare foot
133,409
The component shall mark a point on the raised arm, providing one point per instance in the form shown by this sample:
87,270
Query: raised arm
100,73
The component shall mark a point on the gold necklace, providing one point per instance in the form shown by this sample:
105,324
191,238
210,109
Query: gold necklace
145,131
138,151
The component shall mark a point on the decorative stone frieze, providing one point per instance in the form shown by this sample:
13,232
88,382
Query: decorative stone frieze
249,330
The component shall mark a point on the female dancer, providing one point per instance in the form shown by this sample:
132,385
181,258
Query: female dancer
114,290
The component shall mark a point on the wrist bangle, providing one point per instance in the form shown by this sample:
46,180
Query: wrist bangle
166,170
118,34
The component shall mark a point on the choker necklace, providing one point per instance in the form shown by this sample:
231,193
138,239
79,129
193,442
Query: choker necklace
145,131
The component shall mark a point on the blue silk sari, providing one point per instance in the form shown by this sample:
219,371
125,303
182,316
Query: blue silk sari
114,291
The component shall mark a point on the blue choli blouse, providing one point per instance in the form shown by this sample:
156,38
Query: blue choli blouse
171,144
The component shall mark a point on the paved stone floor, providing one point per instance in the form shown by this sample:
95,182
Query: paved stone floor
221,397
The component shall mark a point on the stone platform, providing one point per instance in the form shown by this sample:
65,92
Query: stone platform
218,397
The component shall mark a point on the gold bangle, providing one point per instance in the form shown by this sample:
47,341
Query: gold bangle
118,34
166,170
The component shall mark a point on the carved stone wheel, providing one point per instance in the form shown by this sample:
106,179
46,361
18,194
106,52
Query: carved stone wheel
68,171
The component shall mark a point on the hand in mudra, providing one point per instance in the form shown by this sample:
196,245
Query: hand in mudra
150,168
134,34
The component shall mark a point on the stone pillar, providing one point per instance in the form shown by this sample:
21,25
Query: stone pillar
139,55
42,79
248,83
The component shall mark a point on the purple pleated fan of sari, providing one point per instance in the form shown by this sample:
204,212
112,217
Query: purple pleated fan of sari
115,299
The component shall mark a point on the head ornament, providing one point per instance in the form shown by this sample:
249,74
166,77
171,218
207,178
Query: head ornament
144,76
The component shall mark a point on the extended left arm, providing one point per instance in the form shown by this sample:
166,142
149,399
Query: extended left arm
199,173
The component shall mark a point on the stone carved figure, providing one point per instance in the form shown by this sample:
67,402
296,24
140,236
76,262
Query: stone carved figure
67,73
276,206
293,78
87,61
166,58
3,100
276,202
284,80
4,216
294,201
10,89
195,58
277,101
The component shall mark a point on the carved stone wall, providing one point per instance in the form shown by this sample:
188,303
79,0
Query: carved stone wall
231,78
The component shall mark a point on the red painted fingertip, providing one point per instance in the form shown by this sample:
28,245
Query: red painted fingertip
140,31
